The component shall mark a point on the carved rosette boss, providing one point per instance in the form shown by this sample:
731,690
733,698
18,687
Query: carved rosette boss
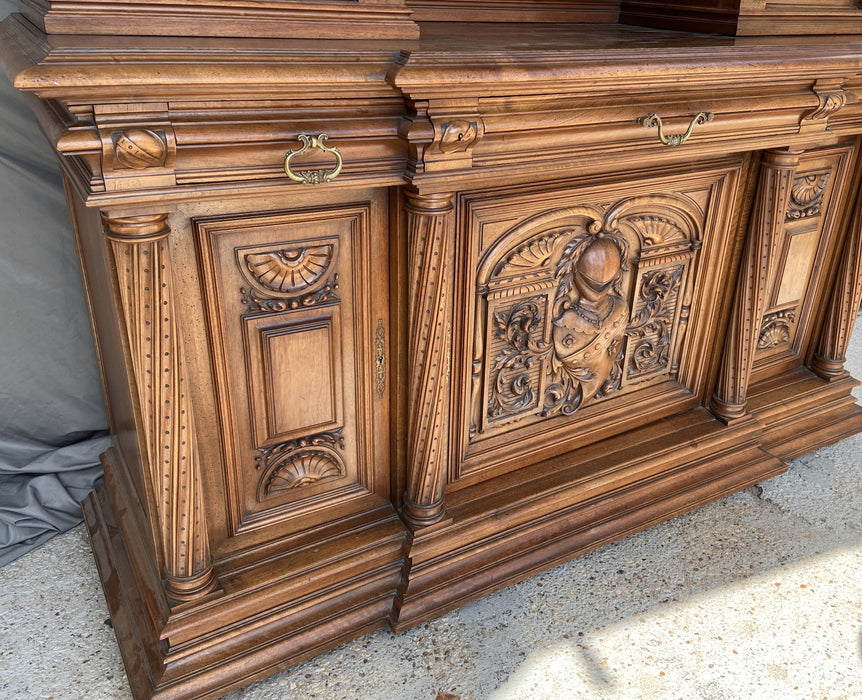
143,265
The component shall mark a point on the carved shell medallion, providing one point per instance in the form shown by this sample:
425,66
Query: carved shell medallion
290,270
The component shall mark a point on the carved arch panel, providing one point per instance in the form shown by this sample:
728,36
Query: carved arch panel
581,304
582,309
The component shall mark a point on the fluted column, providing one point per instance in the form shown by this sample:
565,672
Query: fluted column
762,245
430,223
843,305
143,269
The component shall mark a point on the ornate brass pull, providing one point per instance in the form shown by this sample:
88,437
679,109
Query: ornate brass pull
652,120
313,177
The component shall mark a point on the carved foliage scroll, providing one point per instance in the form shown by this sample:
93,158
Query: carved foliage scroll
580,304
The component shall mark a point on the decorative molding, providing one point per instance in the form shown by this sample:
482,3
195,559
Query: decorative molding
776,329
806,195
300,463
380,359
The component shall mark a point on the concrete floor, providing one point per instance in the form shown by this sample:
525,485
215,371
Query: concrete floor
758,596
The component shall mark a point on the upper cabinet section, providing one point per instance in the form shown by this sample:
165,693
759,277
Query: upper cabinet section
282,19
398,19
747,17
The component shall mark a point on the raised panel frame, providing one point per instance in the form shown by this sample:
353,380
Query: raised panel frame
486,217
244,314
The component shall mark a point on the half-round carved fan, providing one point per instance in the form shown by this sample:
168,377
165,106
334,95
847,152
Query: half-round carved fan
302,469
809,188
290,270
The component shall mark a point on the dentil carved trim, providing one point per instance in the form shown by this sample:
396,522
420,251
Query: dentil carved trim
144,280
300,463
806,195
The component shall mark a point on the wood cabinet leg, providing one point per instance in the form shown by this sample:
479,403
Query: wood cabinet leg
843,306
763,243
143,268
430,224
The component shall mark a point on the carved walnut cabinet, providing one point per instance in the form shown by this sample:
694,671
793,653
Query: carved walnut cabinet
394,310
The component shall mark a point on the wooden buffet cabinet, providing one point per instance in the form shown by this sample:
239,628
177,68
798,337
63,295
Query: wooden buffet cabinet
394,310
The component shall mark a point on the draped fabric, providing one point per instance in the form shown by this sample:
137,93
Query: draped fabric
52,415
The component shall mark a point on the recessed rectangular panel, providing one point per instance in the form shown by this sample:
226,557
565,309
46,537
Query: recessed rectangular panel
800,255
300,378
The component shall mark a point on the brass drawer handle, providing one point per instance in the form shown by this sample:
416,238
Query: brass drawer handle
313,177
652,120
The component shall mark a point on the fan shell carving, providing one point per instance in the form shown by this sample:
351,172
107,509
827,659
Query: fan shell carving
301,463
806,195
289,270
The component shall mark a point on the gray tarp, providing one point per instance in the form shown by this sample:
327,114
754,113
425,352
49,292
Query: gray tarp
52,416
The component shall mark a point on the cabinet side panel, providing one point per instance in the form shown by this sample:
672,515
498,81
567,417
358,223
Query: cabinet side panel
101,298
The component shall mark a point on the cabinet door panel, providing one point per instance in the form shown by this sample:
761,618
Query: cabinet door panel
290,297
817,195
594,310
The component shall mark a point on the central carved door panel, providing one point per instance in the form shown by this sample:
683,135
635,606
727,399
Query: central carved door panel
296,311
583,320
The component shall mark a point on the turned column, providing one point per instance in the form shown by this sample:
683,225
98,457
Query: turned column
762,246
143,268
430,230
843,305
